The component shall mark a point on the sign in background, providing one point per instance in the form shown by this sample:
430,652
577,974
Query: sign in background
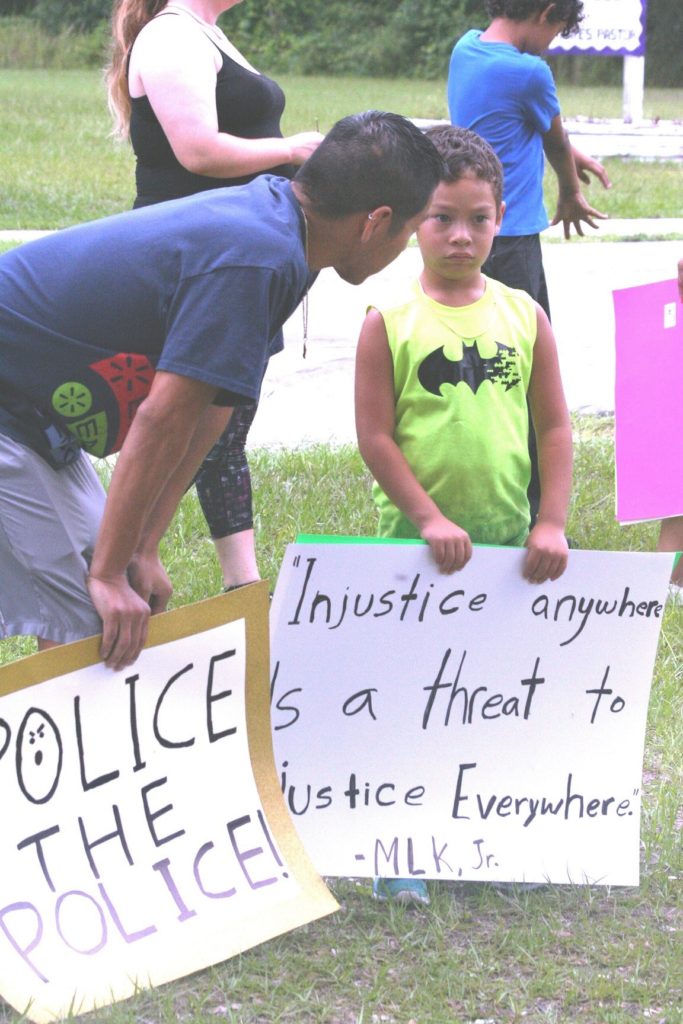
144,835
609,27
648,402
472,726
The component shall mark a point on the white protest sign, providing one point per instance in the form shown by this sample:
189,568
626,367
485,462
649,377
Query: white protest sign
471,726
144,834
609,27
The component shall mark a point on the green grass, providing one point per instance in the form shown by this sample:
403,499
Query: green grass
662,181
59,165
557,955
553,956
607,101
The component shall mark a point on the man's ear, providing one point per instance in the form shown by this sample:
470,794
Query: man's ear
378,220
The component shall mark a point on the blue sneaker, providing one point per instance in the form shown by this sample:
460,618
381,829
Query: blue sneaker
402,890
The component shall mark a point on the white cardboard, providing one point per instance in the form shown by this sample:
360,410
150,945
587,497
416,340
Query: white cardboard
534,776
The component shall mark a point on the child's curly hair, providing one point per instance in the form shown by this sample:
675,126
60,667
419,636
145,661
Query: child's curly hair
462,150
568,11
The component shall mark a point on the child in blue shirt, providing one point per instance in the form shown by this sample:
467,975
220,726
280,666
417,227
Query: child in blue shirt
499,87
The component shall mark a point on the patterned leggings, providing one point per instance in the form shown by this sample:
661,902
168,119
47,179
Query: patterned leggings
224,482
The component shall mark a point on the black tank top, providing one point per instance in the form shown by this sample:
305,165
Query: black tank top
248,105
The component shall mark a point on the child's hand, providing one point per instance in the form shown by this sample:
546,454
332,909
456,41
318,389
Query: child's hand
573,208
586,165
547,553
450,546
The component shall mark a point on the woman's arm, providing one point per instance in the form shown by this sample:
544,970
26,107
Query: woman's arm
547,544
175,65
375,422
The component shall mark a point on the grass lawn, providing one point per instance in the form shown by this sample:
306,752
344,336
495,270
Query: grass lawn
556,955
60,166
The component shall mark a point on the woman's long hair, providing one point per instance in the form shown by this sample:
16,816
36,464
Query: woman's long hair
128,18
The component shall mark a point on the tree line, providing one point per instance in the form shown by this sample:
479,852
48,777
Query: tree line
379,38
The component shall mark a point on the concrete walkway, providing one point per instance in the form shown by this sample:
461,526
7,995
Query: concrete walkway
310,400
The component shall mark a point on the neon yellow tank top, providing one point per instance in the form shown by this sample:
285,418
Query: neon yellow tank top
461,376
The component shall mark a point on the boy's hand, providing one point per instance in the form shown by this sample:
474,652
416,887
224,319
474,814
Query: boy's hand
574,208
547,553
450,546
586,165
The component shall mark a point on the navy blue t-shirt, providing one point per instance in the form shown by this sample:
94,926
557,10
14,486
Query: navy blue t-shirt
198,286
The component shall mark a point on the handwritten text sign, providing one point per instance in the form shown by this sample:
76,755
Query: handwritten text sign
143,830
471,726
648,406
609,27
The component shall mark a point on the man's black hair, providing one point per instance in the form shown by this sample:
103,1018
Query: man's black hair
568,11
462,150
369,160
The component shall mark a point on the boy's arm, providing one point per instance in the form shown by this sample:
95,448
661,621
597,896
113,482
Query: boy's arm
375,421
547,545
572,206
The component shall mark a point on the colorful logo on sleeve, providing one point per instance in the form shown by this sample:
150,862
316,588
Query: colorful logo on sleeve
72,400
128,377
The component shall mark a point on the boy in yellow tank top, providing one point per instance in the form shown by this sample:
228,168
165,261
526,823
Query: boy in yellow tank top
442,380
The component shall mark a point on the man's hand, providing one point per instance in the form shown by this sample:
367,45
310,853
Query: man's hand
125,617
450,545
148,578
547,553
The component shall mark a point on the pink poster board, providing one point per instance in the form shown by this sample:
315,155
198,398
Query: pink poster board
649,402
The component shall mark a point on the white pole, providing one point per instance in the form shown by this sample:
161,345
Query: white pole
634,89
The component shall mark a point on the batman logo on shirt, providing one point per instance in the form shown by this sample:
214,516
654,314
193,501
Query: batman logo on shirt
472,369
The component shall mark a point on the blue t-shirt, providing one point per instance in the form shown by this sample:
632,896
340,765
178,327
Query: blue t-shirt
198,286
509,98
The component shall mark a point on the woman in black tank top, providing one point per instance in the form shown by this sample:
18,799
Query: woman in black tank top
247,103
200,117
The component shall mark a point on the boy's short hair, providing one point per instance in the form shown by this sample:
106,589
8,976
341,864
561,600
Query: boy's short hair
568,11
368,160
462,150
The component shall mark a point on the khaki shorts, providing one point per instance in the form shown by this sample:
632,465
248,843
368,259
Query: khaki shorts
48,525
